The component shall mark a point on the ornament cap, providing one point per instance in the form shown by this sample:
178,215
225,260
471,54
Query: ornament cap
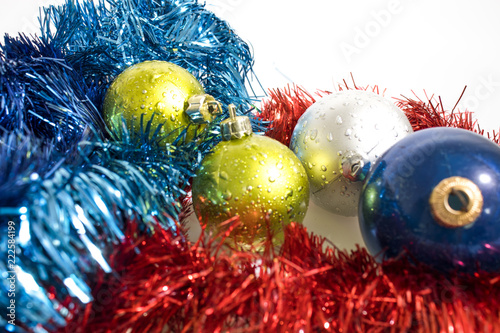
354,166
456,202
202,108
235,127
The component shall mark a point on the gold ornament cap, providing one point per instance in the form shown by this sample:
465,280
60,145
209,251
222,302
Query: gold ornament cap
456,202
202,108
235,127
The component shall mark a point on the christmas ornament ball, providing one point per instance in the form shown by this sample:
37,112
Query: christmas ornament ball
338,137
151,87
255,177
436,194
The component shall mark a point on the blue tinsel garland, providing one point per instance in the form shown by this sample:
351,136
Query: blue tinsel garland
69,185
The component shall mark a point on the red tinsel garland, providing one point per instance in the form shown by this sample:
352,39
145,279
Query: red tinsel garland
431,113
164,283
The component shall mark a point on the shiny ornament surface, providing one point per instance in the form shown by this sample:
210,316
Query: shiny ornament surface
254,177
149,87
437,194
337,138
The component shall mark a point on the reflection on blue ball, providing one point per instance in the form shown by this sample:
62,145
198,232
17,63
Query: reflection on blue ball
436,194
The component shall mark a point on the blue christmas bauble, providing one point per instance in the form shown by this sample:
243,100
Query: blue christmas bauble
436,195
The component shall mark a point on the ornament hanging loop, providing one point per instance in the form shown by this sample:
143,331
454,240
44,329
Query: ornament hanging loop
202,108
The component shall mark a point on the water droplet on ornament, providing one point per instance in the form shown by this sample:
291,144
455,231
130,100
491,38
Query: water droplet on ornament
272,179
339,120
407,129
330,137
144,91
279,166
160,106
249,188
348,132
339,153
313,134
323,177
310,166
396,134
164,94
172,117
323,168
268,190
223,175
228,195
143,106
262,162
300,188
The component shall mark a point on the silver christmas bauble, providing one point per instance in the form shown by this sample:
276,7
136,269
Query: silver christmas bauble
338,137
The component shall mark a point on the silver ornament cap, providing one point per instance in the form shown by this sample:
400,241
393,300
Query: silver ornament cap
337,139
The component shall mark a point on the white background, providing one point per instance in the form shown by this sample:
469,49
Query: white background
400,45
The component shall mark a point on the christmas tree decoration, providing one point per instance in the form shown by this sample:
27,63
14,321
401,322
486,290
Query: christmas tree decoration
338,137
253,177
102,38
68,189
163,95
165,284
283,109
436,195
430,112
42,95
92,219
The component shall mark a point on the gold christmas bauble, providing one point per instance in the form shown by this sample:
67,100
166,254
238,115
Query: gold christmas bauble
257,178
152,87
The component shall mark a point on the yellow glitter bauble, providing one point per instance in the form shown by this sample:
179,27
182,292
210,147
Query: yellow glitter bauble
149,87
255,177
